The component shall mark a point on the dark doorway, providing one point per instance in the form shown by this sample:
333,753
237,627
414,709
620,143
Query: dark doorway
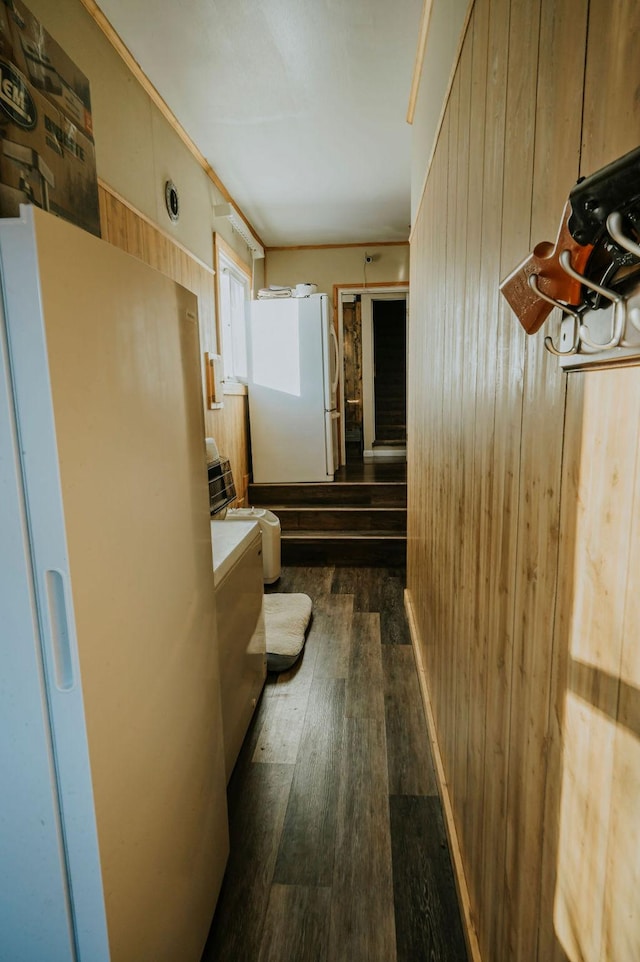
390,372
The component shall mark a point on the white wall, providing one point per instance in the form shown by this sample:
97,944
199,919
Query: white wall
338,265
137,150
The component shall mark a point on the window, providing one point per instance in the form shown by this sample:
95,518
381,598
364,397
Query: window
234,293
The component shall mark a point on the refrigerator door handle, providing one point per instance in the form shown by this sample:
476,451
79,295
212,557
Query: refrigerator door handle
334,341
59,623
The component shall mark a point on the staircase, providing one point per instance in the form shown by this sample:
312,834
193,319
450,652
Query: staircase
341,523
390,350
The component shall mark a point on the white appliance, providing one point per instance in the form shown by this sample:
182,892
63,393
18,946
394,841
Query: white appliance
113,822
293,383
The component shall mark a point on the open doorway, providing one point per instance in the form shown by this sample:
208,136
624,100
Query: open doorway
384,375
372,330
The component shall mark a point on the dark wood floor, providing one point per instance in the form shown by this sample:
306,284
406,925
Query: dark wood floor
371,471
338,846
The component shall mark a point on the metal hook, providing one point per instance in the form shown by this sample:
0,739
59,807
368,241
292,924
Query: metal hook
532,280
552,349
619,307
614,226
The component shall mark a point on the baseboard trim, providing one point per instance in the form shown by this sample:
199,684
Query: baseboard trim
385,454
471,938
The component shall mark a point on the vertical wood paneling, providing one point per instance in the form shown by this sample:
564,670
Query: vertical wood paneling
517,714
621,936
595,910
496,384
556,164
446,424
124,228
471,813
462,332
611,101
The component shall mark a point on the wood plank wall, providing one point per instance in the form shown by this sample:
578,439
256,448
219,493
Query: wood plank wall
126,228
523,516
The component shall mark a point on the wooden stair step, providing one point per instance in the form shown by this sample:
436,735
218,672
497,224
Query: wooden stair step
315,535
347,548
337,493
331,518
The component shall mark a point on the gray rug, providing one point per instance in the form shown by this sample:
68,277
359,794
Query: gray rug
286,617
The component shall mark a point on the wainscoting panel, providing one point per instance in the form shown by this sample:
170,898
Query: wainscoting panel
522,499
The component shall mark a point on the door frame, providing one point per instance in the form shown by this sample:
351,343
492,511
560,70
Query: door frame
382,287
368,379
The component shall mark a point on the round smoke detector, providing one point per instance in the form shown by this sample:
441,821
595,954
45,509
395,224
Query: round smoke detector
171,200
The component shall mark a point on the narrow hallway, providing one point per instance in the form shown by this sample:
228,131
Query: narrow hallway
338,846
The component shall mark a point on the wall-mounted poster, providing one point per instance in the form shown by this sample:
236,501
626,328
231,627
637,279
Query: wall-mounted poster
47,154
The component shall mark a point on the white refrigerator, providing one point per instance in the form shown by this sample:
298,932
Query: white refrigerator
113,824
293,385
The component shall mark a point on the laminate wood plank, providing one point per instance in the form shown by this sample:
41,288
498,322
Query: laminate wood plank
373,589
364,691
362,916
359,582
409,761
306,852
427,915
325,655
310,580
279,740
394,629
331,630
296,928
255,826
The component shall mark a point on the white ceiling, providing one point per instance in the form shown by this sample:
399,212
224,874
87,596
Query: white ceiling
298,105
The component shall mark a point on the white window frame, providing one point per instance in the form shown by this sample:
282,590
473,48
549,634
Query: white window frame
233,294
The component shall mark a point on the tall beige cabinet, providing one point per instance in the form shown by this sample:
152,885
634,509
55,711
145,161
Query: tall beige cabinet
113,839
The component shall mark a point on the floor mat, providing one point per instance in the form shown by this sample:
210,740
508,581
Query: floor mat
286,617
